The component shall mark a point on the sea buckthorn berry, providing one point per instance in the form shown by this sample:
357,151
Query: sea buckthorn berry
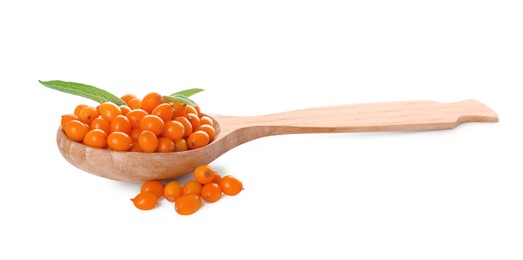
230,185
197,107
136,147
211,192
79,108
102,124
67,118
135,116
195,121
205,120
164,111
152,123
178,110
198,139
173,130
135,103
172,191
217,178
96,138
192,187
165,145
153,186
76,130
180,145
148,141
109,110
135,133
145,200
209,129
121,124
150,101
119,141
187,204
190,109
125,109
88,114
204,174
127,97
187,127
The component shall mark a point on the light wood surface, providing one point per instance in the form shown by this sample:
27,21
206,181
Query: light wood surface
233,131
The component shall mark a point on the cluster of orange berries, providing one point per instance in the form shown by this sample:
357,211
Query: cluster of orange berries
143,125
207,185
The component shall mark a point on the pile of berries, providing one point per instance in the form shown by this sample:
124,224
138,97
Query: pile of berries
207,185
151,124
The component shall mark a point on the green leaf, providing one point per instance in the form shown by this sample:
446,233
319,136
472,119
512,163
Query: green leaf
187,92
180,99
83,90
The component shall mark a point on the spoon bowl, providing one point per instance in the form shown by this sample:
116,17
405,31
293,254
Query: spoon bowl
233,131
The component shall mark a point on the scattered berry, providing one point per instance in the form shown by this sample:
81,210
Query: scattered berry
145,200
187,204
230,185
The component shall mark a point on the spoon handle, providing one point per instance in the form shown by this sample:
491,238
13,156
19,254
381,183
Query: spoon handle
391,116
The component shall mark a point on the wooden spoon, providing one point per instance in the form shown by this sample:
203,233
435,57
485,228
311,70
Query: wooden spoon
233,131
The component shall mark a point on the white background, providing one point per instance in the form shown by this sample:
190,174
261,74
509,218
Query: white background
454,194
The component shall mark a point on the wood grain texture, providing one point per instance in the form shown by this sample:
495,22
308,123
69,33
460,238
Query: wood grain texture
233,131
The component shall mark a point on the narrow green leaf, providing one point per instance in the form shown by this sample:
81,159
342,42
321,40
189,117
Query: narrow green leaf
180,99
83,90
187,92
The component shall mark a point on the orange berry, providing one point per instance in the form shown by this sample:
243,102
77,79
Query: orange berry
209,129
173,130
119,141
230,185
187,204
88,114
102,124
76,130
204,174
205,120
121,124
165,145
152,123
211,192
148,141
135,103
180,145
135,116
172,191
164,111
195,121
198,139
178,109
190,110
79,108
127,97
150,101
197,107
145,200
153,186
217,178
67,118
96,138
136,147
109,110
187,127
192,187
135,133
125,109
